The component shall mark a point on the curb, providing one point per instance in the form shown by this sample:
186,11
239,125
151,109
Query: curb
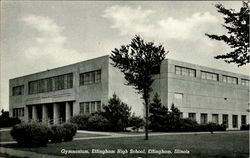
29,154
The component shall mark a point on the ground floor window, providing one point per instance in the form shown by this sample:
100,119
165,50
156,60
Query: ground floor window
192,116
203,118
225,120
18,112
243,120
90,107
235,121
215,118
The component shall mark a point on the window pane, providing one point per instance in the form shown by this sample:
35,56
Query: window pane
92,107
87,107
215,118
98,106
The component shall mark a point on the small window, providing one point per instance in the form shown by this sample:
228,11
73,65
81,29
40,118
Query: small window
203,118
215,118
235,121
178,96
192,116
18,90
243,120
225,120
92,107
98,106
87,107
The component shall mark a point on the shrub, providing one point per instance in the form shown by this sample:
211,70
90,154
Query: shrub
70,131
97,122
245,127
57,133
6,121
117,113
30,135
136,122
81,121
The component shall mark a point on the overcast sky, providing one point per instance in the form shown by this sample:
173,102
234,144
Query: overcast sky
36,36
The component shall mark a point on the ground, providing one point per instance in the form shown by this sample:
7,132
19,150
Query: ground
227,144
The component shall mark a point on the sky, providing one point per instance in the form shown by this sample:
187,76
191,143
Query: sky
41,35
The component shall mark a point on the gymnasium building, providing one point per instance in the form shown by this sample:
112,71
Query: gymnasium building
201,93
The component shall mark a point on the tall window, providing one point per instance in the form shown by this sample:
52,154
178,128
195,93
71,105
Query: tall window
245,82
98,106
230,79
90,77
215,118
192,116
92,106
50,84
185,71
243,119
209,76
18,90
235,121
225,120
203,118
82,110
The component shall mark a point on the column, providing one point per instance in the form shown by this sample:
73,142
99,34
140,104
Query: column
67,111
34,113
45,113
56,113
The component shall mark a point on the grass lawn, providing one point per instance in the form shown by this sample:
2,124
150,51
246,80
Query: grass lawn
203,145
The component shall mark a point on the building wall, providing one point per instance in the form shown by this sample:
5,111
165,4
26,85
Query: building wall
202,95
126,93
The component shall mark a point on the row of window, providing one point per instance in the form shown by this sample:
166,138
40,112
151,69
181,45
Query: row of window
18,90
90,77
215,119
18,112
209,75
51,84
58,83
90,107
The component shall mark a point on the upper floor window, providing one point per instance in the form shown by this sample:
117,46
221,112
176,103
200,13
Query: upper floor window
209,76
51,84
230,79
18,90
185,71
244,82
90,77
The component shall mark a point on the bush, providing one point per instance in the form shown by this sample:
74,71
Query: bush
70,131
136,122
81,121
97,122
245,127
6,121
30,135
57,133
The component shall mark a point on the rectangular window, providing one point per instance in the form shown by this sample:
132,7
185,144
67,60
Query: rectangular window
82,110
53,83
98,106
185,71
225,120
92,107
203,118
243,119
229,79
235,121
86,107
18,90
178,96
90,77
209,76
245,82
18,112
215,118
181,114
192,116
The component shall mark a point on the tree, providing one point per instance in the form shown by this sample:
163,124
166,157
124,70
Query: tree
138,61
237,25
117,113
158,114
136,122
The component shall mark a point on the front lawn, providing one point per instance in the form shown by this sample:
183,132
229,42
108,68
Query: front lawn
229,144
